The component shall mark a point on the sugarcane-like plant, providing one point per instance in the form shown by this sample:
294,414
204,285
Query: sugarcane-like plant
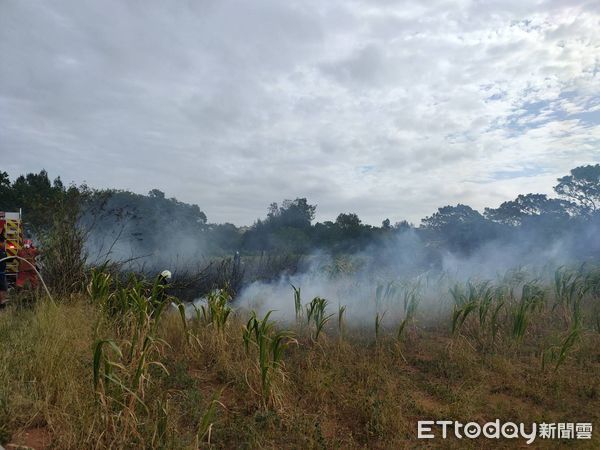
269,347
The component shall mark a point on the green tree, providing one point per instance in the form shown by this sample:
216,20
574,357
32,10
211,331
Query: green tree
582,186
35,195
459,228
348,221
297,213
525,207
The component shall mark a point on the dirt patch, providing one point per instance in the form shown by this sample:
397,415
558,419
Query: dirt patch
34,438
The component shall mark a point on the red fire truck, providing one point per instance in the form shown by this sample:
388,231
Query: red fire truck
11,227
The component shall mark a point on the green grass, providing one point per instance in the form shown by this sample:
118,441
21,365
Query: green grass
116,367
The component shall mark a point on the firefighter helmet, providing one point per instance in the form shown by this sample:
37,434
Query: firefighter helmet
166,274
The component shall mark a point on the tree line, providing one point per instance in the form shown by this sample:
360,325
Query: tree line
150,222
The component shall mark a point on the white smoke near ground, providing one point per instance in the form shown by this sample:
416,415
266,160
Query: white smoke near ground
412,265
356,292
360,282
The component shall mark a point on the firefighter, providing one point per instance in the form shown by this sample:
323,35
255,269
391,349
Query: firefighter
165,277
27,273
158,293
3,283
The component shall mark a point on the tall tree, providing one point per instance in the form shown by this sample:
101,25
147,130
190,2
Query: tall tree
296,213
35,194
459,228
348,221
582,186
524,207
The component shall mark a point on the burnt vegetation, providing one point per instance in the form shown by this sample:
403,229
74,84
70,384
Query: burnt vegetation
146,233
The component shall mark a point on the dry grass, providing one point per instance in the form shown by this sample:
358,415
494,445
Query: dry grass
355,392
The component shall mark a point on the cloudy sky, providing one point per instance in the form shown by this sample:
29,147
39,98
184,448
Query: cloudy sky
384,108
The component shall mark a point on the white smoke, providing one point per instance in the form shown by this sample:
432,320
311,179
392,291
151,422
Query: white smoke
409,263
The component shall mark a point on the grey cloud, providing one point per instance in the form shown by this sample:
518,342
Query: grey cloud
233,105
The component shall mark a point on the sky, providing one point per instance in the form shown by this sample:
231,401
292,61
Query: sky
389,109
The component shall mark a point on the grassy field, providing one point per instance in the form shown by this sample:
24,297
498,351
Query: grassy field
117,367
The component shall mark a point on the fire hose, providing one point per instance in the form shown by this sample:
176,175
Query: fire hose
36,271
